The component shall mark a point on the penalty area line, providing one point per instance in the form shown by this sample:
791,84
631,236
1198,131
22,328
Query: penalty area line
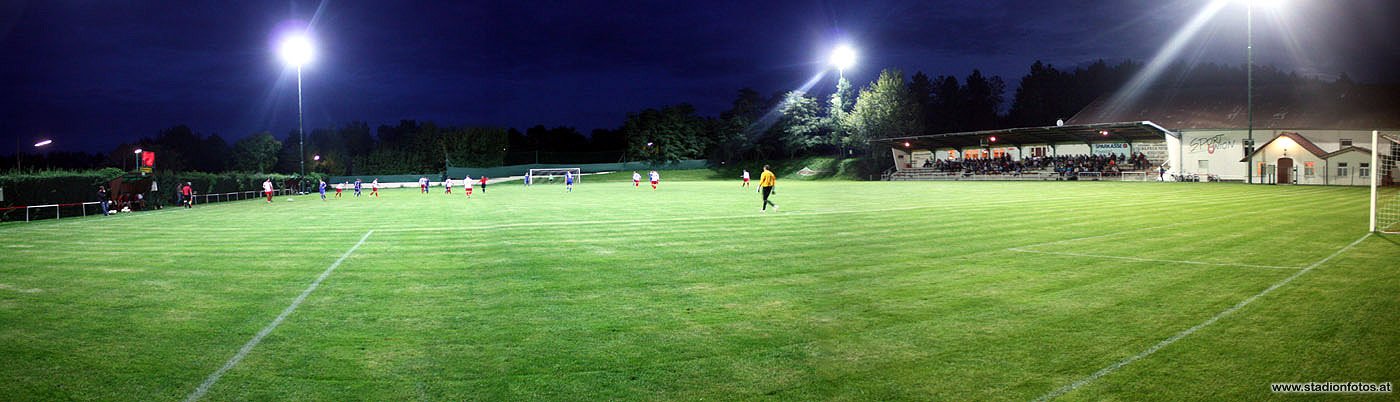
1185,333
252,343
1188,262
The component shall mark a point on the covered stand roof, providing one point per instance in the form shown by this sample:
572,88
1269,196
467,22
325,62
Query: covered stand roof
1135,131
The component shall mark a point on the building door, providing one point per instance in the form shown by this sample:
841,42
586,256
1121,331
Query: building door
1285,167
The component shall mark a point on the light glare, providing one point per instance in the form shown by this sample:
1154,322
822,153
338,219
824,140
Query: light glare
43,143
843,57
296,50
138,150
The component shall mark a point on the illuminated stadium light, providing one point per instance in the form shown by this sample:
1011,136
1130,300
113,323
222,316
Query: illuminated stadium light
316,158
137,151
843,57
992,138
1103,133
296,50
43,143
906,144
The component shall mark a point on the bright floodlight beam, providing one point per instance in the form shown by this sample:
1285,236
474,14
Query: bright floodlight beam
43,143
137,151
296,51
843,57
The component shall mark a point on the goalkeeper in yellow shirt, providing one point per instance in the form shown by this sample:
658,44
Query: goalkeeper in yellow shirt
766,181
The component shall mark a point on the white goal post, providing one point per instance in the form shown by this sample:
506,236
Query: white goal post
546,176
1385,183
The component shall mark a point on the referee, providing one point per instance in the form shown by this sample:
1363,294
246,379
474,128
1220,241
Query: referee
766,181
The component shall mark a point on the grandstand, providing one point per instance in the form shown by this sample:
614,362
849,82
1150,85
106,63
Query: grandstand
1309,134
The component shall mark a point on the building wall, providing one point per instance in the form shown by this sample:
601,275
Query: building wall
1353,175
1219,152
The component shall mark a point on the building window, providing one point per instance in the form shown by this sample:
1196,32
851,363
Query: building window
1364,170
1342,170
1309,169
1346,142
1203,165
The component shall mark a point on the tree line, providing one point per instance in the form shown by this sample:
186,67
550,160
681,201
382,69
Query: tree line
783,124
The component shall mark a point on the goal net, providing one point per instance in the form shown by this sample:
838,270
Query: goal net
555,175
1385,183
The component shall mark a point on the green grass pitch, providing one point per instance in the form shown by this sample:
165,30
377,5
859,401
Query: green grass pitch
852,291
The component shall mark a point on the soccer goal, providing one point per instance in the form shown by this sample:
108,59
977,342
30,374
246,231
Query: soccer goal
1385,191
556,175
1134,176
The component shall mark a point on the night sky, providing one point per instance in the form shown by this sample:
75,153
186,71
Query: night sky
92,74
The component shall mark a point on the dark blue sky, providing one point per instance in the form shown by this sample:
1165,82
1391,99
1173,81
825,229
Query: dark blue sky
91,74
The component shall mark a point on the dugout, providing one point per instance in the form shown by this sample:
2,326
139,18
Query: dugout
131,190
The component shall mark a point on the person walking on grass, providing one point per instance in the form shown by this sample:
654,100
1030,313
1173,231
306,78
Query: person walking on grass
655,178
323,189
483,184
447,186
746,179
103,199
187,192
267,189
374,188
766,182
569,182
636,180
467,185
359,184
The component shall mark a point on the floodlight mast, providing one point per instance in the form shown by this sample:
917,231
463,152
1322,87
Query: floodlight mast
296,51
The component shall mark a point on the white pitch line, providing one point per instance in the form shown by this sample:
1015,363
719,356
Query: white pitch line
1222,264
248,347
1167,342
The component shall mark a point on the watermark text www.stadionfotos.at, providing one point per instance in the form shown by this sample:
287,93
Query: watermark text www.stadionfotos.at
1349,387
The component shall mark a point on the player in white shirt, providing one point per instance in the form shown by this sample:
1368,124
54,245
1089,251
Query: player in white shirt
467,185
267,189
374,188
655,178
636,180
569,181
448,185
746,178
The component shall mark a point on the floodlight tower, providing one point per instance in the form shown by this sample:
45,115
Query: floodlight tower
1249,77
39,144
296,51
842,57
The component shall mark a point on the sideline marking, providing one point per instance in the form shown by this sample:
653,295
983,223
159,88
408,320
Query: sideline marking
1221,264
248,347
19,289
1166,342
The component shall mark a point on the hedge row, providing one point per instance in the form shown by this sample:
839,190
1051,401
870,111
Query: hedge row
62,187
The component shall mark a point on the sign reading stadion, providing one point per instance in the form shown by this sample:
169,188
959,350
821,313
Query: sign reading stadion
1111,148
